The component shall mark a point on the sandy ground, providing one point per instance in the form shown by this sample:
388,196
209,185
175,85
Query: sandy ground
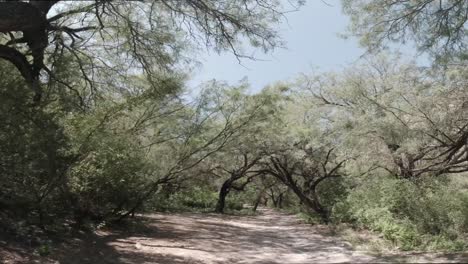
270,237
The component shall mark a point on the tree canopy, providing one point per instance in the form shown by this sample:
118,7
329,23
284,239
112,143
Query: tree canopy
438,27
106,41
113,131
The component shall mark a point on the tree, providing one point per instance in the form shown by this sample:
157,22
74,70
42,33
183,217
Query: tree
300,151
407,120
438,27
234,165
217,120
277,194
240,171
302,170
119,38
266,186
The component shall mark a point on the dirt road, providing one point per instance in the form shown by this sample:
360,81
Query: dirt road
270,237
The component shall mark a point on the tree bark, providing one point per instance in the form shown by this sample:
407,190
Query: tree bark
19,16
30,18
257,202
280,200
258,199
223,192
310,201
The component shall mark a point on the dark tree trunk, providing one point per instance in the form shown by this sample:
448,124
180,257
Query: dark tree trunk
256,204
275,202
258,200
318,207
274,199
19,16
30,19
311,201
223,192
280,200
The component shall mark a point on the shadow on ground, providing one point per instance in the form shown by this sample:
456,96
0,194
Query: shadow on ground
270,237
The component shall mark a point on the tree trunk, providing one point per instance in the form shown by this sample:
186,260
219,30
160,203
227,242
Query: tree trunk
274,200
258,200
311,201
256,204
30,19
223,192
19,16
280,200
319,208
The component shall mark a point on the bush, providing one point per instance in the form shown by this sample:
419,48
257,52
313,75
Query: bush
198,198
109,178
195,199
309,218
422,215
33,155
233,203
332,191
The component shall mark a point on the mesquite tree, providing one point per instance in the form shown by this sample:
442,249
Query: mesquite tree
234,165
438,27
302,169
120,38
242,171
402,119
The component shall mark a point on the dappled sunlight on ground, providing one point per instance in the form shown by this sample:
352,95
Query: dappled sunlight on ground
270,237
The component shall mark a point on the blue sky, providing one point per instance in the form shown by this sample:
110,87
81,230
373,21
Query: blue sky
313,42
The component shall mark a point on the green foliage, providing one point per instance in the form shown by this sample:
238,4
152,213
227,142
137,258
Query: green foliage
310,218
43,250
33,153
435,26
414,216
236,201
110,175
373,145
195,199
332,191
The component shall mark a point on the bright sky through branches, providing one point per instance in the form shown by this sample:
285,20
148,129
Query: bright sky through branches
313,42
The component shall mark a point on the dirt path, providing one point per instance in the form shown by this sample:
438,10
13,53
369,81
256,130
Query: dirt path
270,237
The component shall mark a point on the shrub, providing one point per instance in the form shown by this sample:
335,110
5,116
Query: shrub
194,199
412,215
108,178
234,204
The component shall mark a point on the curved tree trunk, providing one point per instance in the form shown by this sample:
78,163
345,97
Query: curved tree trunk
311,201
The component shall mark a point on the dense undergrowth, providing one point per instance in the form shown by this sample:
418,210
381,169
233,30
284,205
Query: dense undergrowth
428,215
194,200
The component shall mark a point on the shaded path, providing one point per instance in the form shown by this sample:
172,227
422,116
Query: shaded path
270,237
